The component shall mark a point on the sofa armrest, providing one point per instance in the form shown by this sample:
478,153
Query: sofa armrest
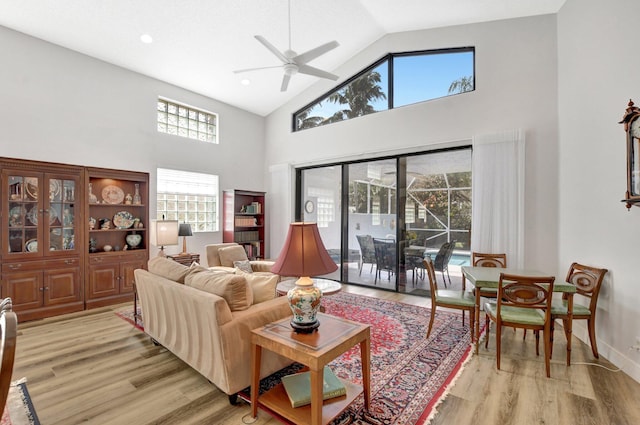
261,265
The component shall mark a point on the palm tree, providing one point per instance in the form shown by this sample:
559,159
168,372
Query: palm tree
305,121
461,85
358,95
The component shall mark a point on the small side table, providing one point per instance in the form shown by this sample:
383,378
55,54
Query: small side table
186,259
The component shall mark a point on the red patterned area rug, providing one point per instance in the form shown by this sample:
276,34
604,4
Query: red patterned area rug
410,374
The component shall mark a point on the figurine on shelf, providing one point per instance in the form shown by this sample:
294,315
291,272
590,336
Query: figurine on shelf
93,199
137,199
105,224
128,199
92,245
92,223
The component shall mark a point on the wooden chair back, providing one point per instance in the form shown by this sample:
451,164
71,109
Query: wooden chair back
525,292
481,259
588,281
8,330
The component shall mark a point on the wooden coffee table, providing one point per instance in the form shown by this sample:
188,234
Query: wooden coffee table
314,350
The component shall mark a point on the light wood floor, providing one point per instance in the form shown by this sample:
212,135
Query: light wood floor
95,368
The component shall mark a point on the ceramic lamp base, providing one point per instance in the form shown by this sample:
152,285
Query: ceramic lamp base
304,300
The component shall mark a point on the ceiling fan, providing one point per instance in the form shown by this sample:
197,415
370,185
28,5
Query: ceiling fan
294,63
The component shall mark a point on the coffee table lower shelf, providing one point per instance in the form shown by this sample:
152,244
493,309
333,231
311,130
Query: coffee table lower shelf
276,399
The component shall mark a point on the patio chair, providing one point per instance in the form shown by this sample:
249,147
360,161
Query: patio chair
367,251
385,250
441,262
588,281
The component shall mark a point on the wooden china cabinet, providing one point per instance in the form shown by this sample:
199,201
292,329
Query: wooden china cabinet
118,216
42,239
70,236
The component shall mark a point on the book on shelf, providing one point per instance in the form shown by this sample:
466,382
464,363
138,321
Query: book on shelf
298,387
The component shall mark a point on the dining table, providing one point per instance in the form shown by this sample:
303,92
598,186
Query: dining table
489,277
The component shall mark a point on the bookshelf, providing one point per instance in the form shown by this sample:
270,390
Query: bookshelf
244,220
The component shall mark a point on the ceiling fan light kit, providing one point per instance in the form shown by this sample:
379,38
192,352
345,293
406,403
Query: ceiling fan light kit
293,63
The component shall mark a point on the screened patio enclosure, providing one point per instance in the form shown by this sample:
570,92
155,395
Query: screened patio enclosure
409,205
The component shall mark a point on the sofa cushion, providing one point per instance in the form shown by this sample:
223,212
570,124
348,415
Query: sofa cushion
233,288
229,254
244,265
168,269
263,285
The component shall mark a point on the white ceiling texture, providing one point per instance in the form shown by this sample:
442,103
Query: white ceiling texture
197,44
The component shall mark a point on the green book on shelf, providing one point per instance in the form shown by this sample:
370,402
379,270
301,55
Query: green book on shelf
298,387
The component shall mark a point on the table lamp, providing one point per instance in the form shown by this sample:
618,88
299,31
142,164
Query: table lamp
164,233
184,231
304,255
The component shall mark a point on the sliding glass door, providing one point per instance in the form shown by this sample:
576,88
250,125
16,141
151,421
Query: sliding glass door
374,240
321,203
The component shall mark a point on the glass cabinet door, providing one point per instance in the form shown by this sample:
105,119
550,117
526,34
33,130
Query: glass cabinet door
60,214
41,213
24,210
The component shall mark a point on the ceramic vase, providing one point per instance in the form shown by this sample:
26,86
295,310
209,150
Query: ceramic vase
304,301
133,240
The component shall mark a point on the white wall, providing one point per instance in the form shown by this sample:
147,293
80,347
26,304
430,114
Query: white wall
599,70
60,106
516,84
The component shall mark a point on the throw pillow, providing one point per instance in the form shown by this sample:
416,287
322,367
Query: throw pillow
168,268
234,289
229,254
244,265
263,285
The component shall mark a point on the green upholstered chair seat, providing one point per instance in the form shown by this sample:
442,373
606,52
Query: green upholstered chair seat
488,291
559,308
461,298
527,316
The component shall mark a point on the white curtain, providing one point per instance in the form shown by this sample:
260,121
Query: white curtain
498,195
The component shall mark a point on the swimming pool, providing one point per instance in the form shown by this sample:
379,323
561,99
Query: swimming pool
460,260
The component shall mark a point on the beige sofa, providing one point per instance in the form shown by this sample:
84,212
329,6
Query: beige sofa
204,317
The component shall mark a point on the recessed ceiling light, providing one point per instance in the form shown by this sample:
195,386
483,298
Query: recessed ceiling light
245,82
146,38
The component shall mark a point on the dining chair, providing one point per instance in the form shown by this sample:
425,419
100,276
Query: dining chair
385,250
480,259
457,299
441,262
522,302
588,281
367,251
8,329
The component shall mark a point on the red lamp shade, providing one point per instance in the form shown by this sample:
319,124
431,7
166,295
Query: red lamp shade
303,253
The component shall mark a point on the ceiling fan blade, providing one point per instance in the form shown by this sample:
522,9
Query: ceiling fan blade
285,82
309,70
272,48
238,71
309,55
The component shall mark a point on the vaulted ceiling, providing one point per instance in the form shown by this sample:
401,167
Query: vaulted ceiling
197,44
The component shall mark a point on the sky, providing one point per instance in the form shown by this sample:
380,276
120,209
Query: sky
417,78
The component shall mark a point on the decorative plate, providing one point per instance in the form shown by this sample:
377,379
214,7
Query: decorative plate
16,216
31,185
32,215
112,194
123,220
31,245
54,189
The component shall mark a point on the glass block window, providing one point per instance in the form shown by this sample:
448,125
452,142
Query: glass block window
189,198
186,121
